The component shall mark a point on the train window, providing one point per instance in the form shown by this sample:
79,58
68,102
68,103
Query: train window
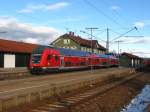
97,60
68,63
49,57
56,58
82,63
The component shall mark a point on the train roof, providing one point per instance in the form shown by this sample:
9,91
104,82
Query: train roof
40,48
70,52
63,51
102,56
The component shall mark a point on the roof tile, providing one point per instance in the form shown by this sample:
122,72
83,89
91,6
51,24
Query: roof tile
130,55
84,42
14,46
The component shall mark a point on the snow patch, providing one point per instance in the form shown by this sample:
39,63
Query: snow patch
140,102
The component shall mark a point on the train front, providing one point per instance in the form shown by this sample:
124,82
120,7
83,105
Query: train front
44,58
36,61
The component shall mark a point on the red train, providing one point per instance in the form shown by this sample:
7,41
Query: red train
147,62
45,58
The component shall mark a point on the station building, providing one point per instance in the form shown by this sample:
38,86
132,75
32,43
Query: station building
15,54
130,60
71,41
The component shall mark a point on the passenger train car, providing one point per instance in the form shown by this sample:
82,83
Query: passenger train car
147,62
46,58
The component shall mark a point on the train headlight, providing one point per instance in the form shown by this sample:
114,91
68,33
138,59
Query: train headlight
48,63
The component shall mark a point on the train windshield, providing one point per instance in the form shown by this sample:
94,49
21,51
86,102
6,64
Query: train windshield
38,50
36,58
37,54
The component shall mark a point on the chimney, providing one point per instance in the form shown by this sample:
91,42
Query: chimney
71,33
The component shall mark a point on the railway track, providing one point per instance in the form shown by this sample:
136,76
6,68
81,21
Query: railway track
68,102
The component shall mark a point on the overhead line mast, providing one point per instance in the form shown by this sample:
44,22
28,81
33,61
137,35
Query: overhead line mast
91,29
107,42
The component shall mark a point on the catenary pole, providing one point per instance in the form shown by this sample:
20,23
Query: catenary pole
91,30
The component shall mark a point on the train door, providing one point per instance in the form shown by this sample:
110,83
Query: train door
62,62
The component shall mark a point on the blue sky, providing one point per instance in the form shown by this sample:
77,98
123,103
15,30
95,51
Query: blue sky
37,20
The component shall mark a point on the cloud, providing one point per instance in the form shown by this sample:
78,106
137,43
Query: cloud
136,45
139,24
139,52
135,40
31,40
116,8
25,32
64,20
43,7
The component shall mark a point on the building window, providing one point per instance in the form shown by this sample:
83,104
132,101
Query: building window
73,47
66,41
82,48
90,50
95,51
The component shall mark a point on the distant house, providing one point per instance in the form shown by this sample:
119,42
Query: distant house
70,41
130,60
15,54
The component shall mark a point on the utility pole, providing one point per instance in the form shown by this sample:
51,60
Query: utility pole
118,41
91,29
118,50
107,42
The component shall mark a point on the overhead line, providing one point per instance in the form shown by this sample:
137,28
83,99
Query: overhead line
124,34
119,15
114,31
93,35
138,32
114,11
101,12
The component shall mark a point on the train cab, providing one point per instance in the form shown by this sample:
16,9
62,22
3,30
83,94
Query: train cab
44,58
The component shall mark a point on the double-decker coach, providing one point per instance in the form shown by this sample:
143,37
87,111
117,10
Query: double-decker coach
45,58
48,58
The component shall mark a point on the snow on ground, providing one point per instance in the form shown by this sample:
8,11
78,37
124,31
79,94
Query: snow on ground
140,102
